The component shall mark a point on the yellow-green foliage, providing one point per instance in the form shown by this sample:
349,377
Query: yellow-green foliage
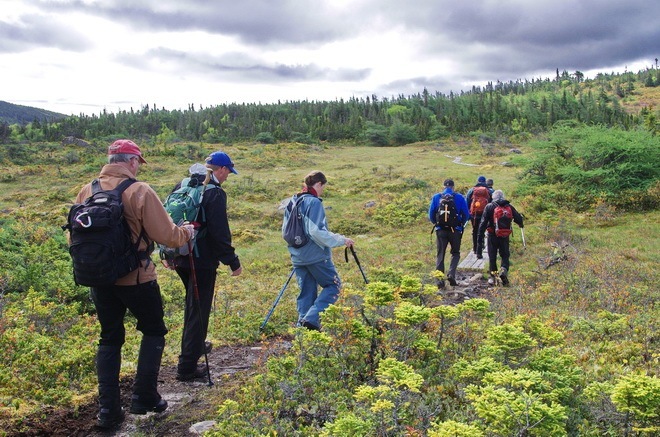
45,353
451,428
401,210
639,396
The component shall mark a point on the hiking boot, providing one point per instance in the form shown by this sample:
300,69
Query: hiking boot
491,280
441,285
208,347
140,407
480,255
201,371
503,277
310,326
109,420
145,387
452,281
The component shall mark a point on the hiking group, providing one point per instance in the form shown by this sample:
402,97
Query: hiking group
116,222
490,215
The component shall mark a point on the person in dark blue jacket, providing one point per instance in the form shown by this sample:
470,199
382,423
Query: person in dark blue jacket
449,236
312,262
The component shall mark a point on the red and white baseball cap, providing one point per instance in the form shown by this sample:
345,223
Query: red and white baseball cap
126,146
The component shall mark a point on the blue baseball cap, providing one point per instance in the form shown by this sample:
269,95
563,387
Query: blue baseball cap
481,179
221,159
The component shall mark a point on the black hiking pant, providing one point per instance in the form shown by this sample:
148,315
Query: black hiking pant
477,239
453,240
195,325
495,245
142,300
145,303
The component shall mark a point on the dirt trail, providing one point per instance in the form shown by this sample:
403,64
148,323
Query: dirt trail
195,402
189,402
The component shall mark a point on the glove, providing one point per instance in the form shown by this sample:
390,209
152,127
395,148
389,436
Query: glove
190,229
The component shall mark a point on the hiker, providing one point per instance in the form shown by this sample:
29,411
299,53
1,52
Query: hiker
212,246
312,263
496,220
477,198
138,291
489,184
449,222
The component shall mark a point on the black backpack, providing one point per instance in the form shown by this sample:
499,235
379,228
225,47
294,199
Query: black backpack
446,216
294,229
101,247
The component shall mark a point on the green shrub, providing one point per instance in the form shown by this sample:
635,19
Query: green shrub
587,163
377,135
402,210
401,134
265,138
638,396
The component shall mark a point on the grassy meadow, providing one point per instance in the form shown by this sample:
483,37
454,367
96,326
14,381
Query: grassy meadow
590,275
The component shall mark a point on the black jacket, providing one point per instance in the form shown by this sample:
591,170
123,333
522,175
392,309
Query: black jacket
213,244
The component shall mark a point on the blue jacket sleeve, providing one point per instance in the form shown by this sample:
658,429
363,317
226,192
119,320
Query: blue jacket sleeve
317,225
461,206
435,201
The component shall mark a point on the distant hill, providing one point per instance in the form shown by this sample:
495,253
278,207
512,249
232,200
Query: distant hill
19,114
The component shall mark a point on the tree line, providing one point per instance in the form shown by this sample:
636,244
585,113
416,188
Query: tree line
504,108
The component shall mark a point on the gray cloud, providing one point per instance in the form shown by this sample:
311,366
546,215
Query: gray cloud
240,67
537,35
255,22
37,31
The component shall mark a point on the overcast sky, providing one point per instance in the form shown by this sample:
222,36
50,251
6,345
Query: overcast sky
84,56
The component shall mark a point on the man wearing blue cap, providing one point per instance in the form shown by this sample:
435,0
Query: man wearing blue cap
213,246
477,198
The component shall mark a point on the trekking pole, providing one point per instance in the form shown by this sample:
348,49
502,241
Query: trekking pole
522,234
357,261
279,296
193,278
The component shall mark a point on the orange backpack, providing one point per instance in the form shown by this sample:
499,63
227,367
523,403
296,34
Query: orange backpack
480,198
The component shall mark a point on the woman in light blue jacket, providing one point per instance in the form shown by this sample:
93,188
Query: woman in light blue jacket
312,263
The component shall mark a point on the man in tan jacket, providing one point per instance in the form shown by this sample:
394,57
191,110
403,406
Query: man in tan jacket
138,291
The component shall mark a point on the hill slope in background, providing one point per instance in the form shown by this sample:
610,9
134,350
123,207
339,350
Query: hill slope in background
12,114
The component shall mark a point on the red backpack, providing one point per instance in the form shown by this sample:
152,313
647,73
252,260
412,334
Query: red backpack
502,217
480,198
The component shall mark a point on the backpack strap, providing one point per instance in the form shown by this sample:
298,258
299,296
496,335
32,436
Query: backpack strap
119,189
143,255
294,205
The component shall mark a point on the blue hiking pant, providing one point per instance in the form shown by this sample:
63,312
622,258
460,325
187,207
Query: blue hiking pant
310,302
